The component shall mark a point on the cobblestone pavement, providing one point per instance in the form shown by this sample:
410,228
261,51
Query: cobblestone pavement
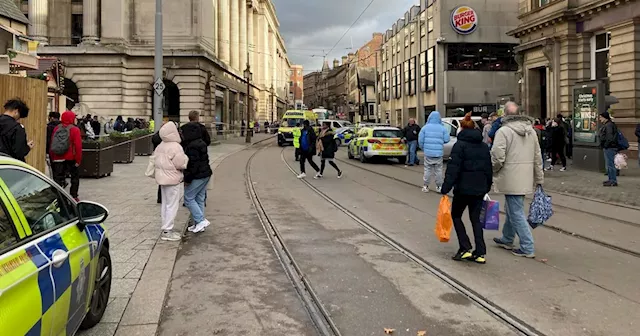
142,264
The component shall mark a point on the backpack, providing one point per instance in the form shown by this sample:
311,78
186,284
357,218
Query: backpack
623,143
60,142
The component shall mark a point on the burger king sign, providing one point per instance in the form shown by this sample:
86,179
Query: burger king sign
464,20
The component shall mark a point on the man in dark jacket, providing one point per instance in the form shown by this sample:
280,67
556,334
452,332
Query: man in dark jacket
196,140
54,120
410,136
307,148
13,137
327,148
609,144
470,175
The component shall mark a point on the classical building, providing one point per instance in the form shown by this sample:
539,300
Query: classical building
564,42
17,50
336,82
363,59
452,56
313,91
108,52
296,87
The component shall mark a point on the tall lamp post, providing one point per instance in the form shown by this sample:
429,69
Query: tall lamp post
272,91
247,76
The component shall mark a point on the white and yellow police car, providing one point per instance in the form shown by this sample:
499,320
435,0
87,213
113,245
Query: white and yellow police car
377,142
55,268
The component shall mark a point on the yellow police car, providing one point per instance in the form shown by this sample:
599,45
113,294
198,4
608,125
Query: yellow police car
55,268
377,141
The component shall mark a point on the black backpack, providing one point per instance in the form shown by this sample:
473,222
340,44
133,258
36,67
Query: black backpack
60,142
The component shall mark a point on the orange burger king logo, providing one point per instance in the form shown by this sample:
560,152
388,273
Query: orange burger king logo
464,20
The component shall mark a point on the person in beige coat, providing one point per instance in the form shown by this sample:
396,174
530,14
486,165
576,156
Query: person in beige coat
517,169
170,160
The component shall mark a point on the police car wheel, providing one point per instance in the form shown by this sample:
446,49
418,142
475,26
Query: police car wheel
101,290
363,159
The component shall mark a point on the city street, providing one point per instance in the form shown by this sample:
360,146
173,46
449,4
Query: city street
360,257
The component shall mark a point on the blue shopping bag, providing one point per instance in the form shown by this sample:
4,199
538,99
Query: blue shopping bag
490,214
540,209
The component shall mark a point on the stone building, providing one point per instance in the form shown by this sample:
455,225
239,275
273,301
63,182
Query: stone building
313,96
363,58
452,56
296,87
108,53
336,82
563,42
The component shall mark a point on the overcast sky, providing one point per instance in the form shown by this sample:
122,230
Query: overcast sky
309,26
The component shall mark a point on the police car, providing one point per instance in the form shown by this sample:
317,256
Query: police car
344,135
378,141
55,267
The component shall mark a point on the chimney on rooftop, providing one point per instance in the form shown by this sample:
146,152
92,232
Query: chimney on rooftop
344,60
336,63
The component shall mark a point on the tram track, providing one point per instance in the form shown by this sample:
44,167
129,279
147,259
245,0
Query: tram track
320,317
493,309
545,226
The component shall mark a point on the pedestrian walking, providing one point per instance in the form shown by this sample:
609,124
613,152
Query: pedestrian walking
431,140
410,136
327,148
609,143
54,120
558,144
296,141
307,148
517,167
170,162
487,128
66,153
470,176
13,137
195,142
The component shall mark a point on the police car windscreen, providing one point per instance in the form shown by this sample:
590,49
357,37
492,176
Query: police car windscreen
293,122
387,134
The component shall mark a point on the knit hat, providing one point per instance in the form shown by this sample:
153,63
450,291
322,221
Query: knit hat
605,115
467,122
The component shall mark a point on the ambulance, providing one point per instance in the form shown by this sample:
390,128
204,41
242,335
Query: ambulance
292,118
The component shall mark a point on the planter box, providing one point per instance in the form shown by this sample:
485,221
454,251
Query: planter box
124,151
143,145
97,160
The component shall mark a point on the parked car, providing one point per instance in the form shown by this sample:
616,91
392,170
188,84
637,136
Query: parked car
344,135
378,142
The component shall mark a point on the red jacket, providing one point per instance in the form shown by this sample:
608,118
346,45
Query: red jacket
75,140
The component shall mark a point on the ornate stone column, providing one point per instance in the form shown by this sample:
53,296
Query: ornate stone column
266,53
234,32
223,32
243,35
90,20
39,17
250,39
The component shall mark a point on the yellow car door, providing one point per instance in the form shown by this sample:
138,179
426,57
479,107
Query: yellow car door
60,251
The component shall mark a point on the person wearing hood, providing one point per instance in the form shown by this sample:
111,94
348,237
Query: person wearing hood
308,139
13,137
470,175
517,165
119,126
54,120
195,142
327,148
65,153
170,162
431,140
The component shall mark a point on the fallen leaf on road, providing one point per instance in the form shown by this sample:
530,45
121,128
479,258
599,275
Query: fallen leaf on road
422,333
389,330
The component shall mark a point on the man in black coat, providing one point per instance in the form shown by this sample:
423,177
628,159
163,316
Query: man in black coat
609,144
410,136
307,148
13,137
470,175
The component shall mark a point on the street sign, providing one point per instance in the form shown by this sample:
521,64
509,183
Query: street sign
159,86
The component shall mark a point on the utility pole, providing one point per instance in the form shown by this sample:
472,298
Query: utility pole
377,92
418,81
248,75
158,85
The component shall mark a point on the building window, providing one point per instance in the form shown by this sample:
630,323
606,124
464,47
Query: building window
398,45
76,28
406,40
430,19
540,3
423,29
412,75
431,69
481,57
397,87
413,33
407,78
600,45
423,72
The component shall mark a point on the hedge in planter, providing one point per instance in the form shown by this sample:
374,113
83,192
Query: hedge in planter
97,158
142,139
124,147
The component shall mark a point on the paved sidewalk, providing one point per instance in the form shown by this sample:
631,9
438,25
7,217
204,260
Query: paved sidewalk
142,264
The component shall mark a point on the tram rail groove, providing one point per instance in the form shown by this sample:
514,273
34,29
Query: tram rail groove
320,317
545,226
497,312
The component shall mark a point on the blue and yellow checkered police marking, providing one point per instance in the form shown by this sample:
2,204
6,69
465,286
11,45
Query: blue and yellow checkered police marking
39,298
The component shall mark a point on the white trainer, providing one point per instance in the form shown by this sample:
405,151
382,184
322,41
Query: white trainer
302,175
199,227
170,236
318,176
425,189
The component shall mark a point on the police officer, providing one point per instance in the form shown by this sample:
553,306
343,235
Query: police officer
296,140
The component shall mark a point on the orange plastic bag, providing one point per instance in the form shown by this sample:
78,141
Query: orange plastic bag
443,220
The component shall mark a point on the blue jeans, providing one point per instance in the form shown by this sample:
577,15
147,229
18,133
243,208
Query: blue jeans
516,223
413,151
194,197
609,155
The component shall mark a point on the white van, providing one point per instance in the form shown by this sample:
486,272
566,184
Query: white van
335,124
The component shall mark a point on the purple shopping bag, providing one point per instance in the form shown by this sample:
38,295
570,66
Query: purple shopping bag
490,214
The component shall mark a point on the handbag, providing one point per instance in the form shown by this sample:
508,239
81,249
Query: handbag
490,214
151,167
541,208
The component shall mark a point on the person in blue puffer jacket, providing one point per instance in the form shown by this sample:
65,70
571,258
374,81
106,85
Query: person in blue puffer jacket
431,140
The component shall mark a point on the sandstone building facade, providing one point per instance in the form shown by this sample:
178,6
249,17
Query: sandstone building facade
107,47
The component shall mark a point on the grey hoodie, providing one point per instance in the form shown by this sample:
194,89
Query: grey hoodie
516,157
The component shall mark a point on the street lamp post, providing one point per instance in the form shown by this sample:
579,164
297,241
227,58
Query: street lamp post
248,75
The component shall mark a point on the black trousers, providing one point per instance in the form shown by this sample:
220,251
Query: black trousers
63,169
159,199
474,203
558,151
304,156
333,164
297,154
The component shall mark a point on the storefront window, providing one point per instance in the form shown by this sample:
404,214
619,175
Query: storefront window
481,57
431,69
600,45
